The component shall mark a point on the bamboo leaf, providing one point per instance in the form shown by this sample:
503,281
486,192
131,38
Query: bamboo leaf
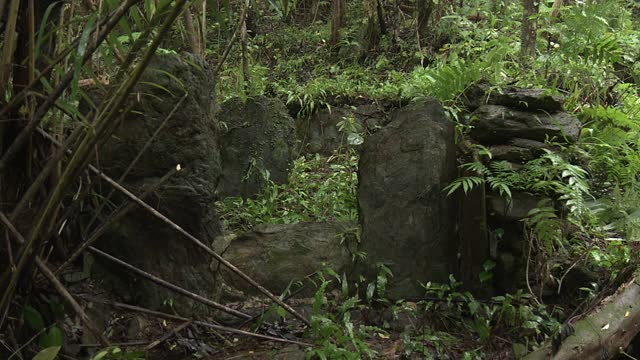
82,47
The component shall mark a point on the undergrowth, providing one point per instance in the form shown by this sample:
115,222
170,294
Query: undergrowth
590,216
319,189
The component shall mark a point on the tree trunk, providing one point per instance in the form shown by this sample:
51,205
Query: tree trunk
555,9
195,46
375,24
424,10
529,29
338,8
245,58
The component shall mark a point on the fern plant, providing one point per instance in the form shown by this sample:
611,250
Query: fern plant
494,176
545,226
444,82
610,139
549,175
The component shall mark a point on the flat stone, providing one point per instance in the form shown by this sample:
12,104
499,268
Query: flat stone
279,254
535,100
514,209
511,153
495,124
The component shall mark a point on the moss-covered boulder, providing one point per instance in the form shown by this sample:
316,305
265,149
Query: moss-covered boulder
177,96
257,145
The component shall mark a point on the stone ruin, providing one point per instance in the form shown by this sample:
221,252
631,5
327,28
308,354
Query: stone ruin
407,221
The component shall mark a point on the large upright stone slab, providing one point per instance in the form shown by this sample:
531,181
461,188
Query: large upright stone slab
407,221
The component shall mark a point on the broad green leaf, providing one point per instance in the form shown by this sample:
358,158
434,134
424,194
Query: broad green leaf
51,338
49,353
33,318
371,288
82,47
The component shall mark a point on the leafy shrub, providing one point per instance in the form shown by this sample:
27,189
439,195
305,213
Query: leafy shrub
528,321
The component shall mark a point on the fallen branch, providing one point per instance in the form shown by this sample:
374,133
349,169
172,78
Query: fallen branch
200,244
603,334
196,322
169,285
168,335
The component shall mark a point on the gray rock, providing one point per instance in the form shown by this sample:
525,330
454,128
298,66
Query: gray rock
510,249
495,124
535,100
536,146
407,221
260,137
320,132
277,255
514,209
189,138
511,153
518,150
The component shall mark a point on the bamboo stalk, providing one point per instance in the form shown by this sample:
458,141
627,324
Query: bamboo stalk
44,174
44,269
10,38
81,156
24,135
